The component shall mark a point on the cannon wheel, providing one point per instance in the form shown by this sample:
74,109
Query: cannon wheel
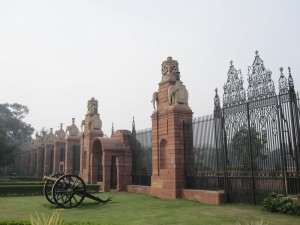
68,191
47,190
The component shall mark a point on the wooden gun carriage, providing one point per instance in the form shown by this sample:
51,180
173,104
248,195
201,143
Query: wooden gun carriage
67,191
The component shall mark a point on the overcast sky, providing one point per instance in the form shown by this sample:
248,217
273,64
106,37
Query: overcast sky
56,55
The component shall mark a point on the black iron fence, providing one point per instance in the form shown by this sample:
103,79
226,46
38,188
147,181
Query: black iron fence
254,147
141,156
247,148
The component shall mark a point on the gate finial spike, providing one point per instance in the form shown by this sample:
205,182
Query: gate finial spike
281,69
290,80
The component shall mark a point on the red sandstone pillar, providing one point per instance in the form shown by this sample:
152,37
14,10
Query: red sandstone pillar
59,156
40,161
48,160
171,134
92,129
72,144
32,167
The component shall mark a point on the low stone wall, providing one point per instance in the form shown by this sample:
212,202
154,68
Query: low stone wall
205,196
210,197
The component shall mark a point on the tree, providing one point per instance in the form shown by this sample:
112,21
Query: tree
240,148
13,131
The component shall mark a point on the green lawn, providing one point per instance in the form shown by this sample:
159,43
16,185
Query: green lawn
130,208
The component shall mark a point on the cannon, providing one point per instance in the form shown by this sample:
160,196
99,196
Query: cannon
67,191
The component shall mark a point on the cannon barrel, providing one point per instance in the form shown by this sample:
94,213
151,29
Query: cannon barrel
47,178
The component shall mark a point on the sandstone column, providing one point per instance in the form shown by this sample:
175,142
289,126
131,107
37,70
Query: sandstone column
172,139
92,129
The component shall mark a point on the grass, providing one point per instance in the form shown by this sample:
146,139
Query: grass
130,208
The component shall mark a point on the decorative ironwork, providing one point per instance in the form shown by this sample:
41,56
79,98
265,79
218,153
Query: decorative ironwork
283,84
260,82
234,92
291,81
217,100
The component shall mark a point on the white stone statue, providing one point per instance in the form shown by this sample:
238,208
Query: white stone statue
95,123
154,100
50,138
178,94
92,106
60,134
72,131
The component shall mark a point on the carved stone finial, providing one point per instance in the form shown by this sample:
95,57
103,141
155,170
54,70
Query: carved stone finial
168,69
92,106
231,62
256,52
60,134
50,138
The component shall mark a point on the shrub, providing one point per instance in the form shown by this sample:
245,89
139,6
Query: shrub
280,203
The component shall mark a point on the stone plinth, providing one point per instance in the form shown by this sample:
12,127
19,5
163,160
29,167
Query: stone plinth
171,151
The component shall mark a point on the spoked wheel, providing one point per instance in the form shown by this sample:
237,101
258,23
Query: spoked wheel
47,190
68,191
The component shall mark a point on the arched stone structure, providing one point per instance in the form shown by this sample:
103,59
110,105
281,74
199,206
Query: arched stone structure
110,161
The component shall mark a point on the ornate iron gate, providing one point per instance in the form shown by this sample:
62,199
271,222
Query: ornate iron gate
260,135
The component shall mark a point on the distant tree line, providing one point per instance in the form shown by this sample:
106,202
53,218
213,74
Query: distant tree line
13,132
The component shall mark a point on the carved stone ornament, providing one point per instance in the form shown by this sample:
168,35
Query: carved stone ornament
60,134
168,69
178,94
72,130
95,123
92,106
50,138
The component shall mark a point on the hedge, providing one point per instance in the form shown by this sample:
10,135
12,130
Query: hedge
36,189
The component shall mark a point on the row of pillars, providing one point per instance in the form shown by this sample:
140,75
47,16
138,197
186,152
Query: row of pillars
47,159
